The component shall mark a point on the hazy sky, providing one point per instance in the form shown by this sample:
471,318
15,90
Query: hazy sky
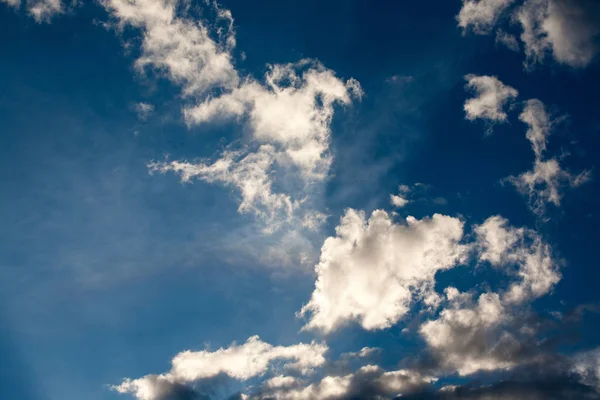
299,200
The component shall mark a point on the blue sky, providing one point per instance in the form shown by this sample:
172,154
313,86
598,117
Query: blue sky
397,198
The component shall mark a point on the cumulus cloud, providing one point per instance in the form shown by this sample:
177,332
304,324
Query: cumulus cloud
565,30
481,15
546,182
289,117
288,114
182,49
492,332
369,382
504,246
40,10
491,97
240,362
291,110
568,30
371,271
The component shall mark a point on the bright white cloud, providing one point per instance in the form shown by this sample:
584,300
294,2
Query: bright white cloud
241,362
459,332
481,15
372,269
182,49
504,246
566,29
484,335
292,111
398,201
547,181
491,97
288,116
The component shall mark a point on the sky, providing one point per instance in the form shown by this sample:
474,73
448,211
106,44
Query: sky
299,200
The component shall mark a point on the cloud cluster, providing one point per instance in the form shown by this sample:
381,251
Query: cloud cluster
546,182
287,115
369,382
241,362
374,268
481,15
491,97
40,10
489,333
566,30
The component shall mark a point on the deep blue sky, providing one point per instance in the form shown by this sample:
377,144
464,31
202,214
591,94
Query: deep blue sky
107,271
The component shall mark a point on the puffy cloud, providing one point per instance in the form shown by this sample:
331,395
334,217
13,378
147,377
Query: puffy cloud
547,181
566,29
291,111
460,336
372,269
493,333
182,49
504,246
398,201
491,96
241,362
288,115
289,118
40,10
481,15
369,381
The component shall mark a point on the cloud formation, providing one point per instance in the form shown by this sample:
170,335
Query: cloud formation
241,362
546,182
374,268
491,97
564,30
40,10
481,15
288,114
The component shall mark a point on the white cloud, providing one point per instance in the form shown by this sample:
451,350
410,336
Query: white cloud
491,97
241,362
485,335
40,10
180,48
291,110
288,116
547,181
398,201
546,184
247,172
481,15
505,246
370,381
289,119
539,125
372,269
566,29
461,333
